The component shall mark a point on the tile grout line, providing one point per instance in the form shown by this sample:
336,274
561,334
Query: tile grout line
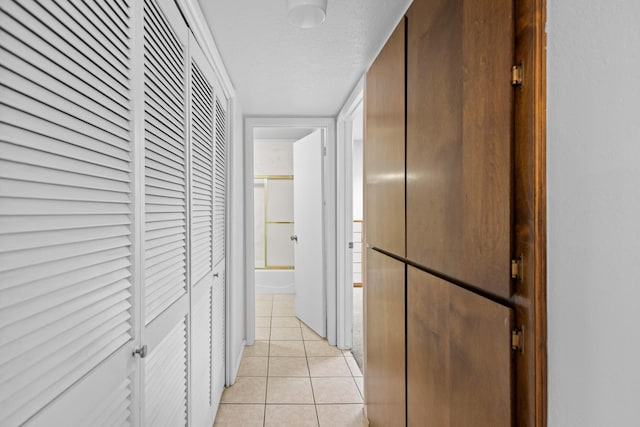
266,390
313,393
308,365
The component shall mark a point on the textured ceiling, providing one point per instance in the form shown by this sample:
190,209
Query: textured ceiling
281,70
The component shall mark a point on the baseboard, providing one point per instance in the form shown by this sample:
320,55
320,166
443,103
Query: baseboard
236,366
275,281
280,289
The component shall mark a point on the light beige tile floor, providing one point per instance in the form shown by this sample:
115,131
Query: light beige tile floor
291,376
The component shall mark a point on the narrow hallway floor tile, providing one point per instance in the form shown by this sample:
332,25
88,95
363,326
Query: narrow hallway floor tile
291,376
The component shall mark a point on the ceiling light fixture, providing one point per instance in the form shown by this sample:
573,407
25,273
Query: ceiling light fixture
306,13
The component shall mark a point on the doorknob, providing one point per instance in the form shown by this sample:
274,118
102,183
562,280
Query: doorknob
294,237
142,352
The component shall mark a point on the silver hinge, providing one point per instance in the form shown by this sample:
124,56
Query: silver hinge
517,268
350,245
517,74
324,150
517,339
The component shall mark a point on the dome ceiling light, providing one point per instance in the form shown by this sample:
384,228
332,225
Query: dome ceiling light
306,13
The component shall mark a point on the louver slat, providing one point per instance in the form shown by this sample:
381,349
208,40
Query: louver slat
115,410
218,339
219,214
165,160
201,362
166,381
201,174
65,201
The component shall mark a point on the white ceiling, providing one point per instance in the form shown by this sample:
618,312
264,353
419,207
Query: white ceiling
281,70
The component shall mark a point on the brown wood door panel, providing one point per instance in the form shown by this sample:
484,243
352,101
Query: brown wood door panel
385,340
459,358
384,147
459,140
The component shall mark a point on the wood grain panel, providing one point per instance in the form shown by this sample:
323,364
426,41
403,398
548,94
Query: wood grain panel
384,147
530,212
459,140
385,340
459,358
428,358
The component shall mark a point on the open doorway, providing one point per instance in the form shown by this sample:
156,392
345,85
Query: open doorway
273,208
350,250
288,221
357,255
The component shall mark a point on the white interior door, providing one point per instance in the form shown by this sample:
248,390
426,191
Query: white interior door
218,339
67,321
166,292
202,132
310,299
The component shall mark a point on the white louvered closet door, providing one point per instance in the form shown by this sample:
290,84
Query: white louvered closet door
66,212
201,131
219,243
165,302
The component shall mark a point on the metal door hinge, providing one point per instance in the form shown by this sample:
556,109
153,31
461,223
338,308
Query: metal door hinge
350,245
142,352
517,74
517,339
517,268
324,151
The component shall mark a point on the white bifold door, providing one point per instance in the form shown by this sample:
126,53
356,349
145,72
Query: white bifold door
166,296
208,218
67,284
113,130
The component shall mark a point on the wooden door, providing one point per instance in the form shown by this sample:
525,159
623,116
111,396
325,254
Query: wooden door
459,140
384,147
459,358
385,340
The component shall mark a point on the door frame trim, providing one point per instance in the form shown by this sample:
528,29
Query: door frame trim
530,222
329,179
344,160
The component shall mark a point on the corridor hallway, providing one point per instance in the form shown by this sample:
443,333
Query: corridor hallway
291,376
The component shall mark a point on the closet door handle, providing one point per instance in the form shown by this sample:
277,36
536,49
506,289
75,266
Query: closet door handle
142,352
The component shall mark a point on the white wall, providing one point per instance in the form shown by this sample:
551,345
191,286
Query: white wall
358,188
594,212
272,157
237,284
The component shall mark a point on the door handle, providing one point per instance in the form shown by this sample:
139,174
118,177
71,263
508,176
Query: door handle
294,237
142,352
